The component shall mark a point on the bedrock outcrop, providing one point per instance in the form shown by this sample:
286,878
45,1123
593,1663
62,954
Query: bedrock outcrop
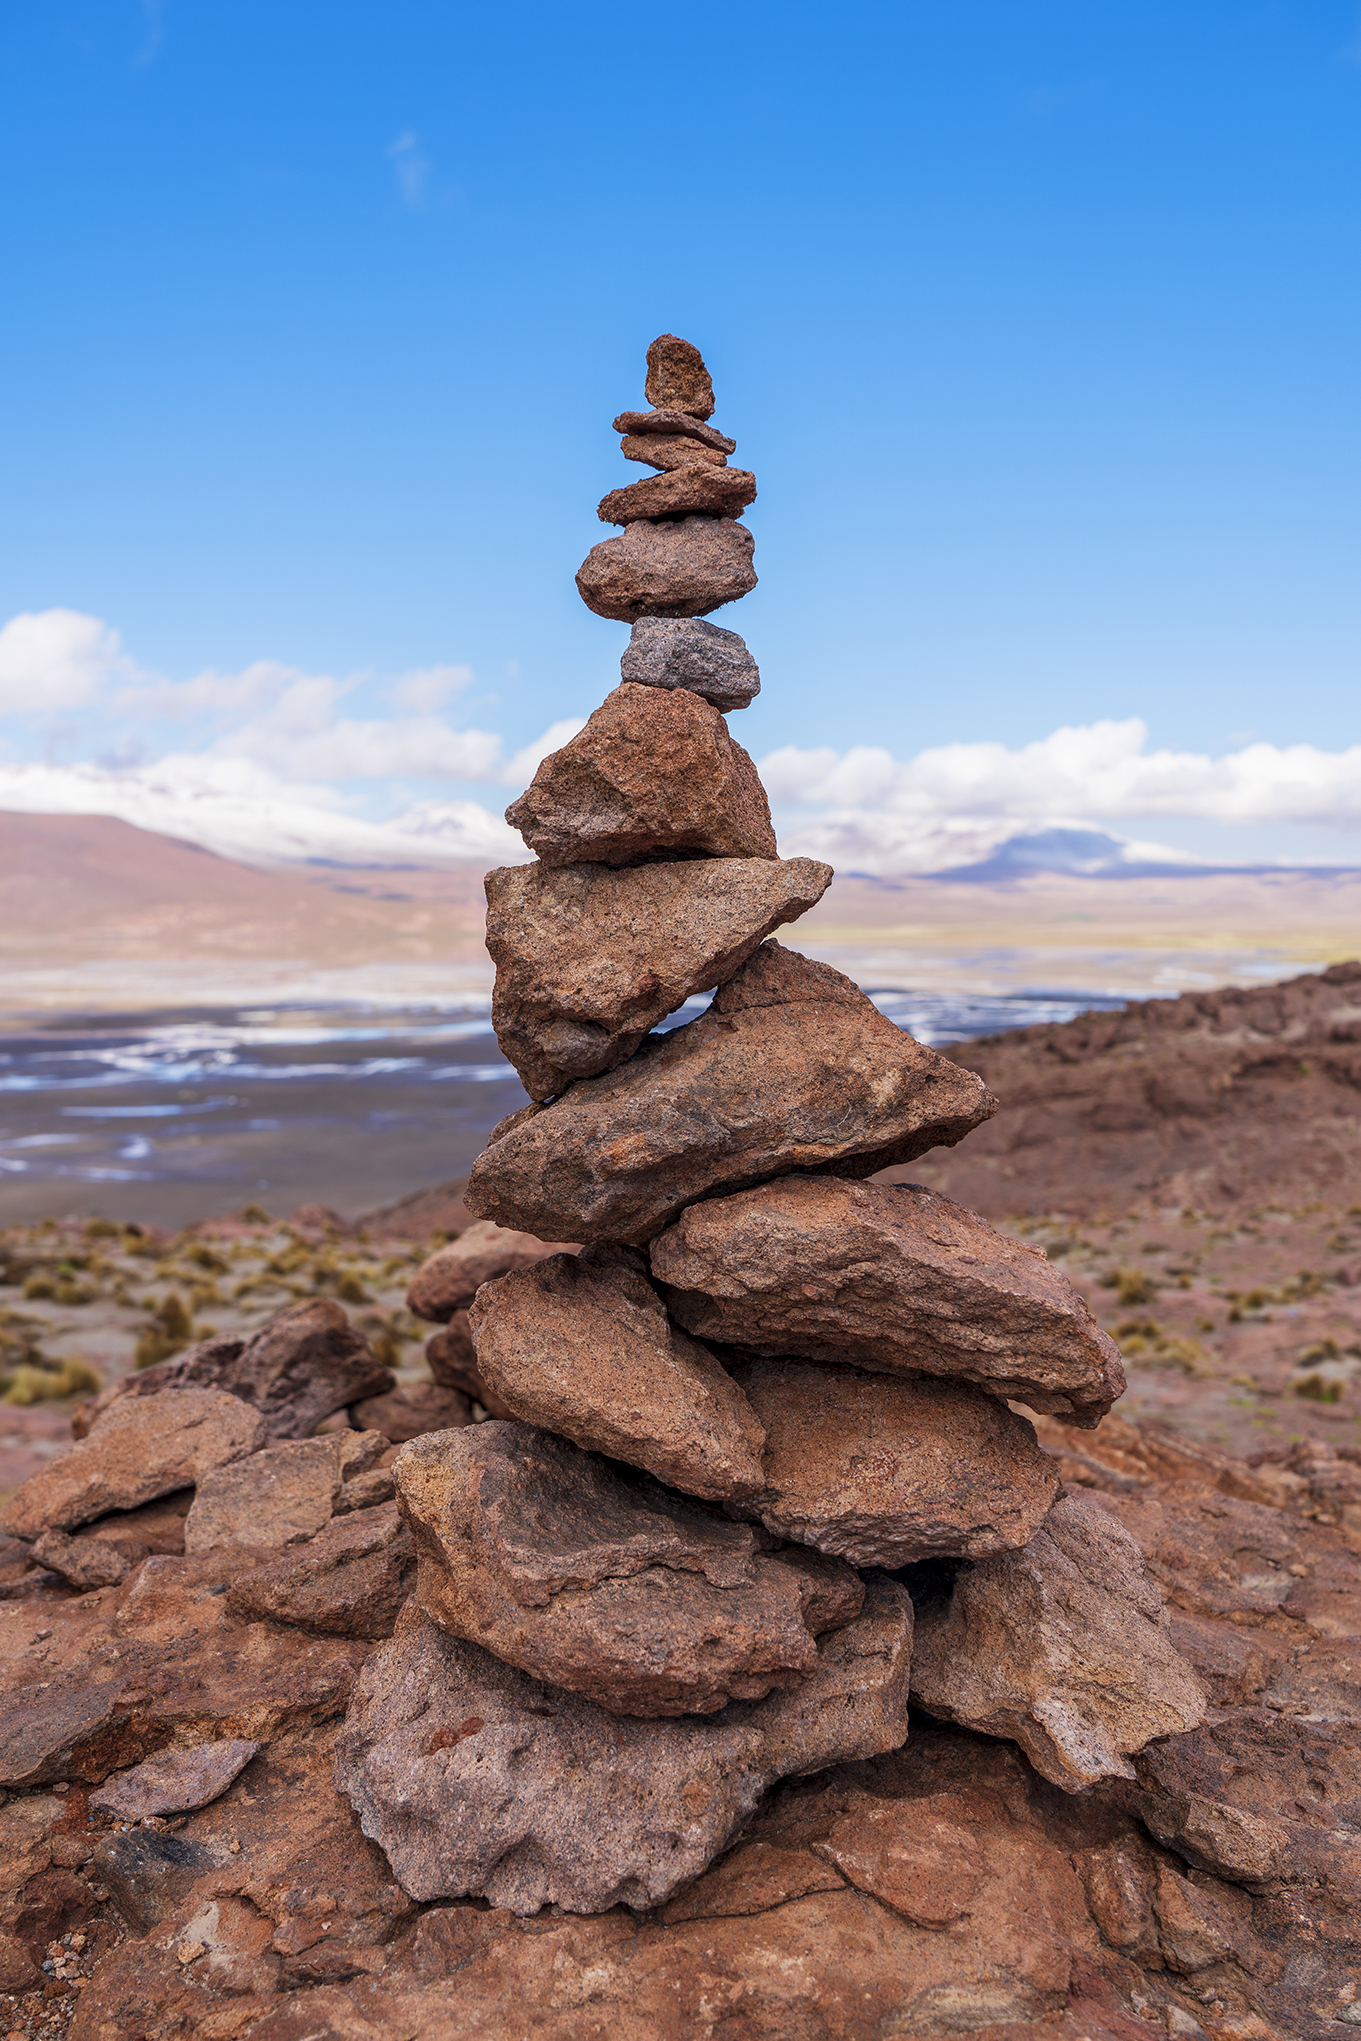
589,959
654,774
582,1345
791,1067
891,1277
683,569
630,1596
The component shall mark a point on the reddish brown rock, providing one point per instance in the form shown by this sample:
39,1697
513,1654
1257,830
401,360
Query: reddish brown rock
669,450
581,1344
288,1492
1061,1647
412,1408
475,1778
348,1581
628,1596
588,959
886,1472
696,489
682,569
891,1277
677,378
790,1068
175,1782
453,1365
306,1364
137,1451
653,774
665,423
453,1275
105,1551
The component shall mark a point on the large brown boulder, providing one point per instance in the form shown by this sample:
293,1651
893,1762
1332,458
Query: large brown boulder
630,1596
891,1277
791,1067
452,1276
475,1778
1062,1647
696,489
886,1472
588,960
653,774
136,1451
582,1345
680,569
677,377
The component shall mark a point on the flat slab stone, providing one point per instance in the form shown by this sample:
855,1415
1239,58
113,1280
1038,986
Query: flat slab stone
653,775
582,1345
589,959
664,422
624,1593
139,1449
687,652
475,1779
886,1472
890,1277
677,378
175,1782
696,489
453,1275
792,1067
682,569
669,450
350,1580
105,1551
288,1492
1062,1647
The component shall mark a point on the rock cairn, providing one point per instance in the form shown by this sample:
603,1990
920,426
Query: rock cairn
760,1397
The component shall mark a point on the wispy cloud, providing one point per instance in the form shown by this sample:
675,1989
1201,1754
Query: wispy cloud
412,165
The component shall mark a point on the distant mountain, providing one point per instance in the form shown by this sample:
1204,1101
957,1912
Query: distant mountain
1080,853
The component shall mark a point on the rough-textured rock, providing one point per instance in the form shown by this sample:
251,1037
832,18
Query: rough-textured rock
677,379
626,1595
476,1779
791,1067
687,652
137,1451
453,1275
669,450
105,1551
694,490
663,423
582,1345
681,569
891,1277
412,1408
653,774
453,1364
348,1581
288,1492
589,959
306,1364
1061,1647
887,1472
175,1782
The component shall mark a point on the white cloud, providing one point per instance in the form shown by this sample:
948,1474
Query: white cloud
520,770
57,659
429,688
412,166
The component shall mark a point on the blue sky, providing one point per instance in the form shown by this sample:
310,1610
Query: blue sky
1038,324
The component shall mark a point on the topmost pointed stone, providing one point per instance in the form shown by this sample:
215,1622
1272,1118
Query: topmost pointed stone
677,379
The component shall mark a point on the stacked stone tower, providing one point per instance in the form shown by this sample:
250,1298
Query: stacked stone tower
770,1399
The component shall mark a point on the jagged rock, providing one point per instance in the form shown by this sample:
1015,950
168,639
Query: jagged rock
306,1364
791,1067
887,1472
476,1779
138,1450
677,378
582,1345
105,1551
1061,1647
686,652
653,774
891,1277
412,1408
350,1580
453,1275
662,423
288,1492
174,1782
627,1595
453,1364
696,489
669,450
589,959
684,569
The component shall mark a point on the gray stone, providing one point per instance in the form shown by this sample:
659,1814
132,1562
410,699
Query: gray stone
174,1782
687,652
